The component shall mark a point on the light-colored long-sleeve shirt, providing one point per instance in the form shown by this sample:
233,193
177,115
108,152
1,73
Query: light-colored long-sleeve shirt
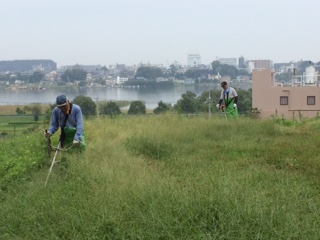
228,95
74,120
230,92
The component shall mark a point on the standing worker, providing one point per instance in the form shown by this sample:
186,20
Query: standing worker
229,98
68,117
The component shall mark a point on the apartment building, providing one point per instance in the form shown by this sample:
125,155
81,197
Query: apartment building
241,62
262,64
290,102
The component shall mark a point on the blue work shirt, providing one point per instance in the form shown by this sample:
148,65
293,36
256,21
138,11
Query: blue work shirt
74,120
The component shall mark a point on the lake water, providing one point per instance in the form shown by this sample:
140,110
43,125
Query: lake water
150,96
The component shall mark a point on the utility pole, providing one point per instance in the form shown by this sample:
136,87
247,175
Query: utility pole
294,77
209,105
97,101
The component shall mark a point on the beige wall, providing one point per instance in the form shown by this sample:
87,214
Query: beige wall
266,97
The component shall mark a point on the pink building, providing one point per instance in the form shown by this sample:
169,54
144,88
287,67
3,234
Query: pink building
289,102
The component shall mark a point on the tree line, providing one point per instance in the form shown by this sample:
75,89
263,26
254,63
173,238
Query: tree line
189,103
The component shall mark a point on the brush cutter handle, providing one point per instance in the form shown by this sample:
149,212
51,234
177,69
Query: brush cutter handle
47,133
52,163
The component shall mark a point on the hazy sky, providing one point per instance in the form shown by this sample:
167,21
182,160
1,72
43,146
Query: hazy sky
158,31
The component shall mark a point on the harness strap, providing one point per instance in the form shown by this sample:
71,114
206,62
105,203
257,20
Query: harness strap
226,101
63,134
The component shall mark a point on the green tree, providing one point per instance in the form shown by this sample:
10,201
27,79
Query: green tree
243,72
284,77
204,100
224,69
231,71
111,109
48,113
136,108
61,83
72,75
215,65
103,83
23,77
123,73
36,111
188,103
104,68
82,84
198,74
36,77
162,108
88,106
5,77
192,73
245,100
173,70
20,111
151,73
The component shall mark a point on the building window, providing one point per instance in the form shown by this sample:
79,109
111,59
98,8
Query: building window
311,100
283,100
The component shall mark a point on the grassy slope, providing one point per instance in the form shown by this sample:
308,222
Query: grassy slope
174,178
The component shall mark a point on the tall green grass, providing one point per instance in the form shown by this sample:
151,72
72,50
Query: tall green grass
173,177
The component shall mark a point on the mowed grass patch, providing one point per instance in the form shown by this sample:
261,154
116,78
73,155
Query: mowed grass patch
17,124
216,179
11,109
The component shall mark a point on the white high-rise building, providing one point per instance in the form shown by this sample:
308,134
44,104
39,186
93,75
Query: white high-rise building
250,66
193,60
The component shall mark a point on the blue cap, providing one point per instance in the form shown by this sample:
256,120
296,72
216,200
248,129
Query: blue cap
61,100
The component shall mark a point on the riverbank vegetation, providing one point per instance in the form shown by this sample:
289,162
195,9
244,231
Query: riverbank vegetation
166,177
189,103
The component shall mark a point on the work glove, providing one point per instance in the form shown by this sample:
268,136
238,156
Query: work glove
75,143
47,134
235,105
218,106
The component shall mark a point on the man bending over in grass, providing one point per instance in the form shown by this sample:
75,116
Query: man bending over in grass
229,98
68,117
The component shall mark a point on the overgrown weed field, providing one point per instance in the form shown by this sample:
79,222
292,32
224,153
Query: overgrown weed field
166,177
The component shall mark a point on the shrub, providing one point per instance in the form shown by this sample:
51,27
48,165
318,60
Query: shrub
137,107
20,111
88,107
111,108
162,108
